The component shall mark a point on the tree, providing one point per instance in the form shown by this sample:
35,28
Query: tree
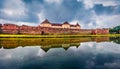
115,30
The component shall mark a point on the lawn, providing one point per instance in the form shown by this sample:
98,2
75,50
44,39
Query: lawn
51,36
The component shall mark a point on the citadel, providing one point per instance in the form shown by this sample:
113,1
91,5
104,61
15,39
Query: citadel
46,28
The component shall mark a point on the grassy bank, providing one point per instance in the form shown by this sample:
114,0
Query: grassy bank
51,36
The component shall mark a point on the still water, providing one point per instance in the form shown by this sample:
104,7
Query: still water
60,53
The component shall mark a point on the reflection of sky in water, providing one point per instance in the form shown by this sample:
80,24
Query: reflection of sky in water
89,55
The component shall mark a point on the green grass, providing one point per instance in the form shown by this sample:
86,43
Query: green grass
51,36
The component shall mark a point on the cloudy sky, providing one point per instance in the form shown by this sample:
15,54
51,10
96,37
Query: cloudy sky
89,13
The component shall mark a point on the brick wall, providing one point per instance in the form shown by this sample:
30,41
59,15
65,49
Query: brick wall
102,31
0,28
9,28
14,29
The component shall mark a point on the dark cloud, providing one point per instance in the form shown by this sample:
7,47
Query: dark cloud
1,3
30,1
108,10
65,12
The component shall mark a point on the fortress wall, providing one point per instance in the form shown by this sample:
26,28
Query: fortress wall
0,28
102,31
51,31
14,29
65,31
10,31
85,32
27,31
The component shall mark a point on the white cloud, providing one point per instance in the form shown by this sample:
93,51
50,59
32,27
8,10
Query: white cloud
79,0
106,21
88,4
54,1
74,22
3,21
14,8
91,3
100,21
41,16
82,25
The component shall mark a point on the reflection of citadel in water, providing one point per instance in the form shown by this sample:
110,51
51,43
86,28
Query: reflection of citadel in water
47,43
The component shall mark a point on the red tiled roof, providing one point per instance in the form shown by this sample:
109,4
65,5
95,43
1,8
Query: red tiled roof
45,21
24,25
65,22
77,24
56,24
11,24
0,24
72,25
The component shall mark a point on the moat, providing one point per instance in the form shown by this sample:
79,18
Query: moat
60,53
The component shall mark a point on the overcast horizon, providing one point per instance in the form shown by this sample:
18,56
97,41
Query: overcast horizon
89,14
